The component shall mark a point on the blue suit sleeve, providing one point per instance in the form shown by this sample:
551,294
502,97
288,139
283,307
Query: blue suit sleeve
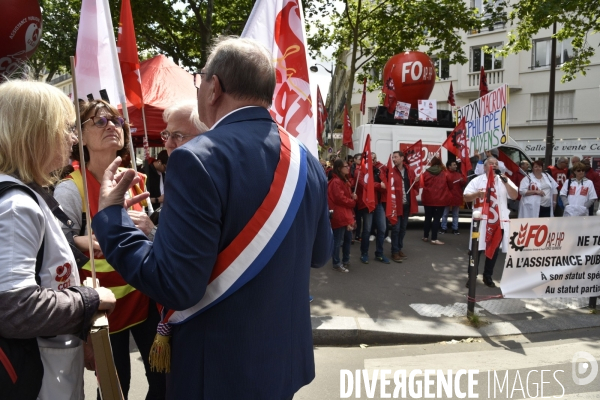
323,243
175,269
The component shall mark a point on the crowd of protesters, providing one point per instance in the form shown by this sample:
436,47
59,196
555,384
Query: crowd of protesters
555,192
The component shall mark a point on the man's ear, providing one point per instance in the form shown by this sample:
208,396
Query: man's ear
216,91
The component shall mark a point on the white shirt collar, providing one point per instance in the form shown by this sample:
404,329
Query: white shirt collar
228,114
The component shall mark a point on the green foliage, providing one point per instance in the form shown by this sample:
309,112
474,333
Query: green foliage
181,29
374,30
576,19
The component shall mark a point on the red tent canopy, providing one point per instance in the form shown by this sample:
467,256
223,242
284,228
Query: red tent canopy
164,83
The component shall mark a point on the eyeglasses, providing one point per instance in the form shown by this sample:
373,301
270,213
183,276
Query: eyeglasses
178,137
199,76
578,170
101,122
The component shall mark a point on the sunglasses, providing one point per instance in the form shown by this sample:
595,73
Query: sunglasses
101,122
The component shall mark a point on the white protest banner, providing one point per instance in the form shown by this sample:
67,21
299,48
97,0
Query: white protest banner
552,257
402,110
427,110
487,121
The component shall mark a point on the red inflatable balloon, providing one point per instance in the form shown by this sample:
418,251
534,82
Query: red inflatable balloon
20,33
413,75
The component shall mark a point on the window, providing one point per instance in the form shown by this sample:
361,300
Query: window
542,49
489,61
371,111
444,105
442,67
563,106
488,11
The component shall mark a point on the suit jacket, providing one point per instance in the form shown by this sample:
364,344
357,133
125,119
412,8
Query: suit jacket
257,343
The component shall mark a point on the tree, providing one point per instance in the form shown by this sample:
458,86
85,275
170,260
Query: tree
374,30
576,19
180,29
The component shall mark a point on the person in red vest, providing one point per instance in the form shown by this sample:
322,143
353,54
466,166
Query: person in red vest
592,176
402,173
435,197
341,201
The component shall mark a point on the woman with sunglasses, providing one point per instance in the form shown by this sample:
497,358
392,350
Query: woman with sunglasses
578,194
44,312
105,136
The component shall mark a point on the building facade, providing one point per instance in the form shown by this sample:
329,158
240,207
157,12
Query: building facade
527,74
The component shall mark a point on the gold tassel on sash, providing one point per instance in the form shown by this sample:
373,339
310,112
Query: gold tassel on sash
160,354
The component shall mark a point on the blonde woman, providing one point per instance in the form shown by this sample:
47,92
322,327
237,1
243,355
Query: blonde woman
40,294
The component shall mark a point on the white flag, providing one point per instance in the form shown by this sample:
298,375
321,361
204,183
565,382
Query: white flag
279,26
95,66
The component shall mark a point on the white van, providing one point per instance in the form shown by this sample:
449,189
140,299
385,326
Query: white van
385,139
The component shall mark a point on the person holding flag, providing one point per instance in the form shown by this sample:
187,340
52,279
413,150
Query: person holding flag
404,179
456,183
490,193
370,193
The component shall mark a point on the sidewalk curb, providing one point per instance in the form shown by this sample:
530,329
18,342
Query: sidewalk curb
341,331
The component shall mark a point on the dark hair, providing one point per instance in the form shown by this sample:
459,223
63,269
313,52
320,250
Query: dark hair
163,157
449,163
337,169
539,163
400,153
358,155
91,108
436,161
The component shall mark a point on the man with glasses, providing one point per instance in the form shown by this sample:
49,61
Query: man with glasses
245,217
183,124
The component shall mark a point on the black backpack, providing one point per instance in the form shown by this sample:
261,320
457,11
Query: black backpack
21,368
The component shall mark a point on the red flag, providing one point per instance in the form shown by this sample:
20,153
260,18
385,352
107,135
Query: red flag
347,141
451,96
366,176
363,101
491,212
413,156
391,210
279,26
456,143
128,57
389,92
321,117
512,168
483,86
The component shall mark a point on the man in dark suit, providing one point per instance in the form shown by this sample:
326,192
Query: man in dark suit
255,343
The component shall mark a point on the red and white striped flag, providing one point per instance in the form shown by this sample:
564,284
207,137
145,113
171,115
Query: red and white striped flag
366,176
96,69
279,26
128,57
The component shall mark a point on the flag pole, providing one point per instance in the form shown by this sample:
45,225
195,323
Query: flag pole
144,121
119,78
419,176
82,169
357,178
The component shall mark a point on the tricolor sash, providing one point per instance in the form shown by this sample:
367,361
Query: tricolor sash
254,246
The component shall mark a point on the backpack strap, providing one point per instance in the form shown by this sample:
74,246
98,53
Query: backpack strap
39,259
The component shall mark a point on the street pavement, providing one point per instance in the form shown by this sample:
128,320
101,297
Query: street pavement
424,298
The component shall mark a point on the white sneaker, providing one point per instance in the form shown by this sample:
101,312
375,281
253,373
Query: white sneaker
371,238
388,239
